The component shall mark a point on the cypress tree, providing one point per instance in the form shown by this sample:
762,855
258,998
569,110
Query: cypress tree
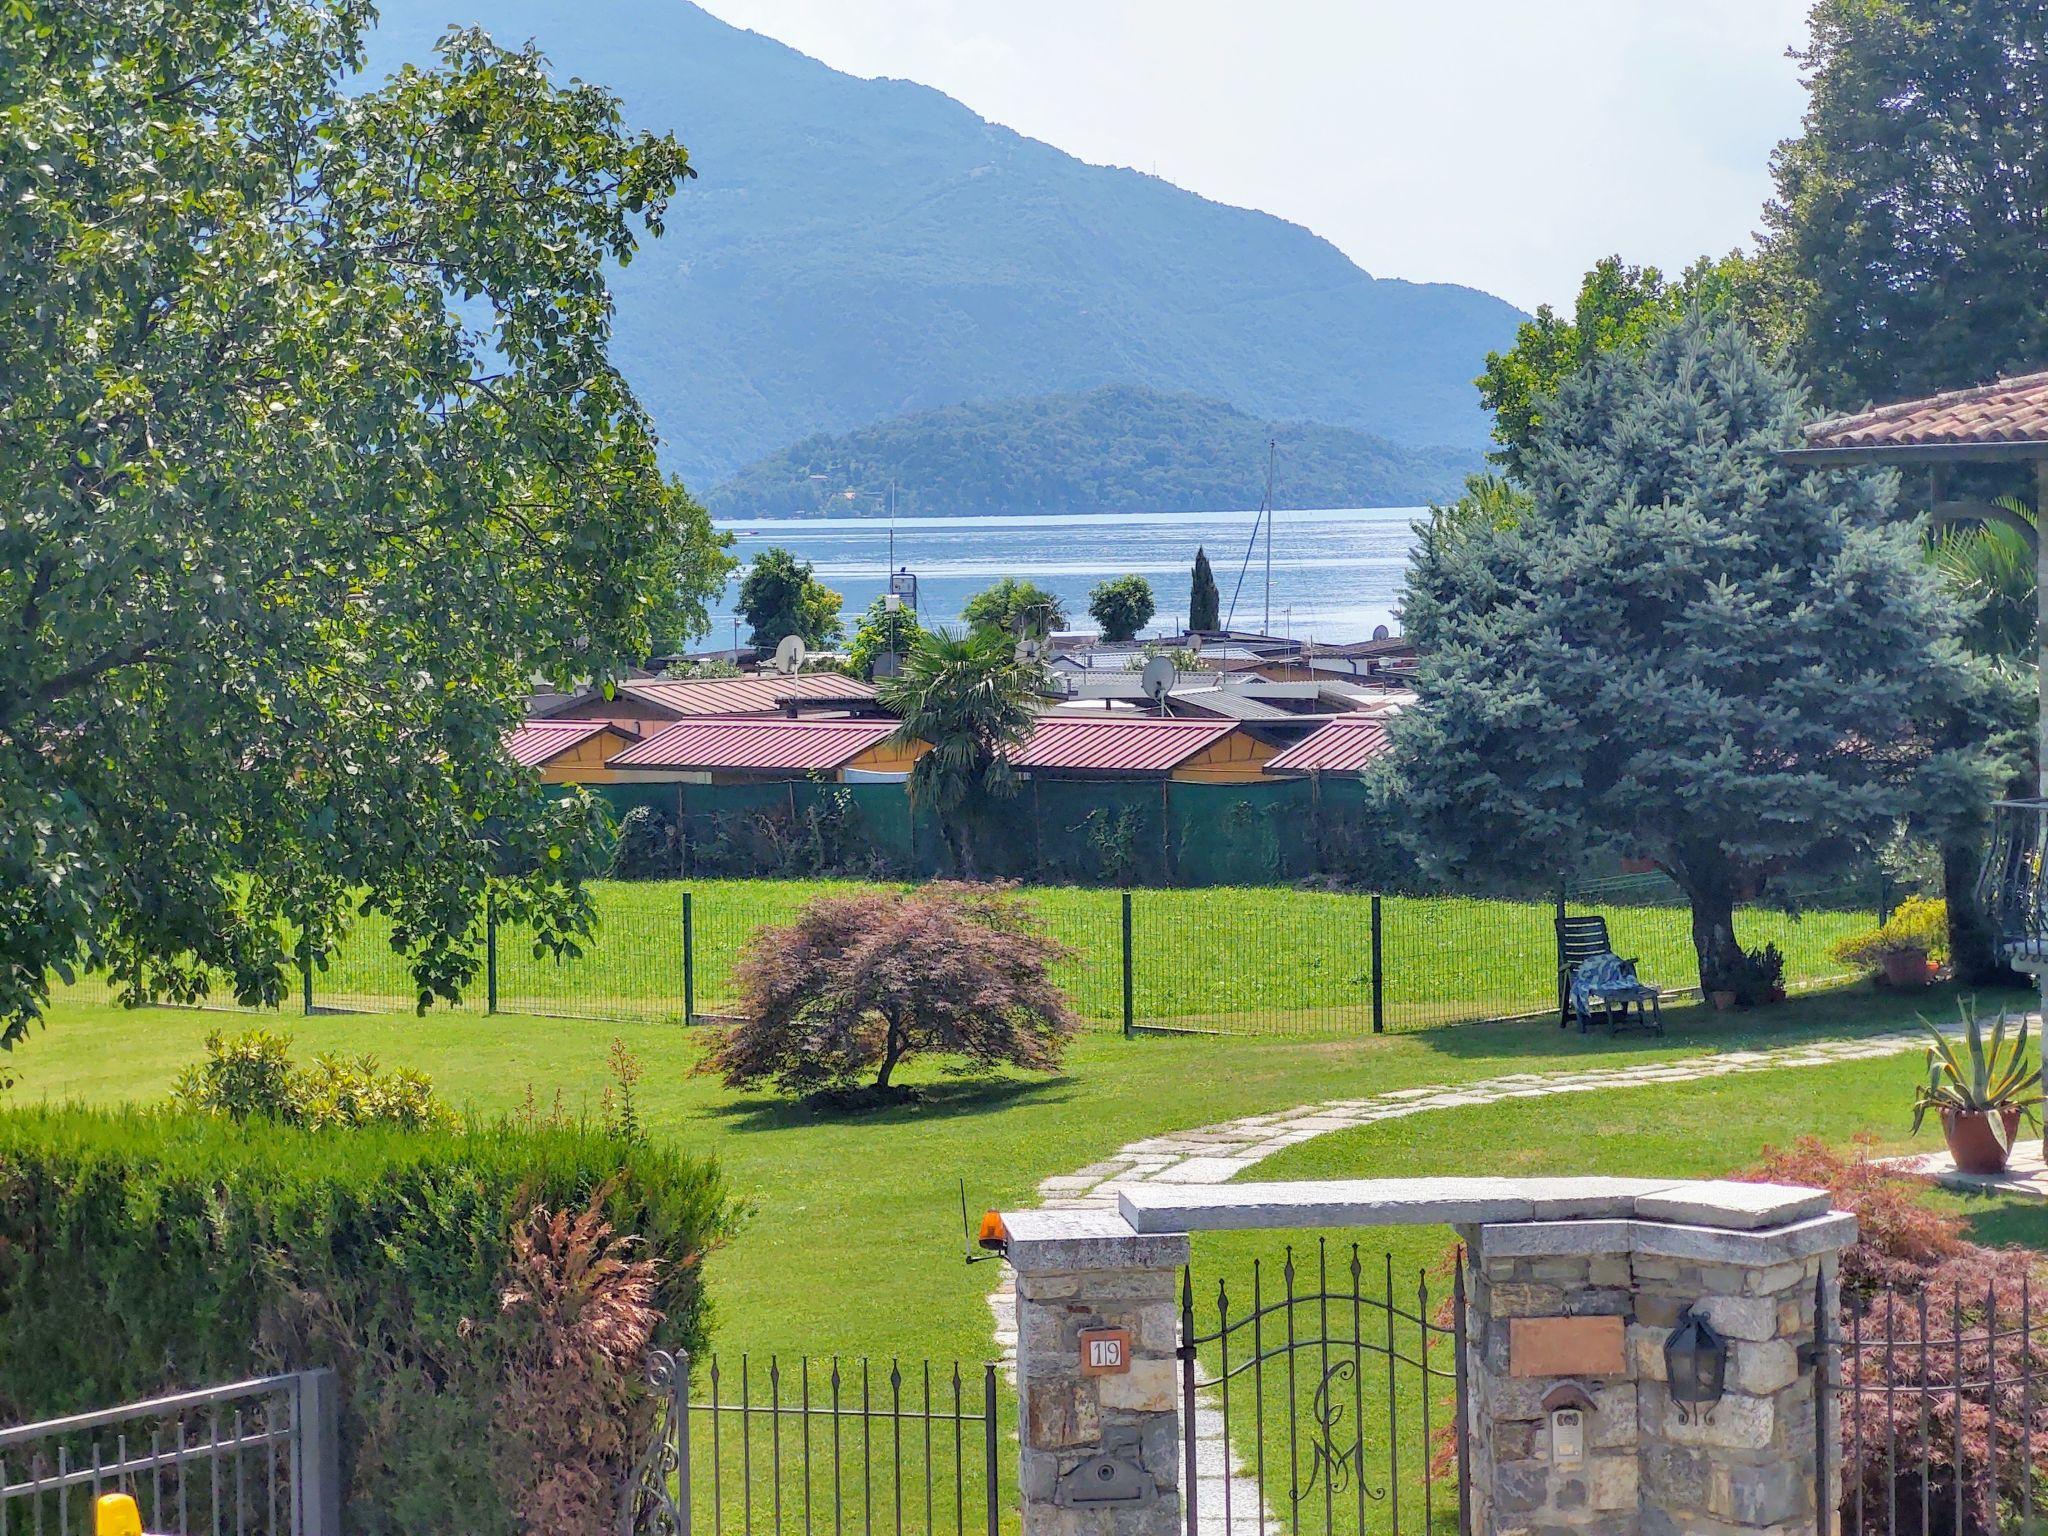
1205,603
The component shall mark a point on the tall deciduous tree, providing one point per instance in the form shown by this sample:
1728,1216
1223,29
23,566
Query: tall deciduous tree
312,458
1205,602
779,596
972,700
1906,235
1122,606
864,983
882,629
1682,650
1015,606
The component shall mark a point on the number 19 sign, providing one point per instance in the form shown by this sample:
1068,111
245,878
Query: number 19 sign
1105,1351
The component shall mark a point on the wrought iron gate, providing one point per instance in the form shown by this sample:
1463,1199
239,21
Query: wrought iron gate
816,1446
1938,1399
1321,1404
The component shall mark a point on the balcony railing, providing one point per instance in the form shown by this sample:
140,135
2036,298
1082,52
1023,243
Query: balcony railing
2010,889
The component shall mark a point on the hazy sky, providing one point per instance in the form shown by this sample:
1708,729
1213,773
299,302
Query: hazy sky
1502,143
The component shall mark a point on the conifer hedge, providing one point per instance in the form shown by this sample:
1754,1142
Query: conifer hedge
145,1251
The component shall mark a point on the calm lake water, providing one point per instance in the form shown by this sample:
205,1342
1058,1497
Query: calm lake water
1335,573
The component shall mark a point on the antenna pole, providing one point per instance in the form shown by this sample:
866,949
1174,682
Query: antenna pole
1267,627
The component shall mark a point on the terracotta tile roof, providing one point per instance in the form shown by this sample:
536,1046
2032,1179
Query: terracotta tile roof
2009,411
760,695
768,745
539,741
1118,744
1345,745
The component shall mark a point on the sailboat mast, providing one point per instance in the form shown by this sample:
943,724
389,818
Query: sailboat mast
1267,627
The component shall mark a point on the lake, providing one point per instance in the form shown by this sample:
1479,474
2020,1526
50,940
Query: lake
1336,573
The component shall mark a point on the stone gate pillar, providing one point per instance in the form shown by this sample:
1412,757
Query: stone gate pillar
1098,1383
1572,1317
1574,1287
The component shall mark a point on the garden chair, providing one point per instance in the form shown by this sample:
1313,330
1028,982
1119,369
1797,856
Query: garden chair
1591,975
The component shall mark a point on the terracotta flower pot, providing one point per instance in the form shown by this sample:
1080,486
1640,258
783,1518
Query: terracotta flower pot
1971,1143
1906,968
1722,1001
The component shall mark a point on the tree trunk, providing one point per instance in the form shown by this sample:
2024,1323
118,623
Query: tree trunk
1708,880
892,1052
1972,943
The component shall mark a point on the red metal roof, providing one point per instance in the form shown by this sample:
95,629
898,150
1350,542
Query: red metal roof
2009,411
540,741
1118,744
1345,745
745,695
739,745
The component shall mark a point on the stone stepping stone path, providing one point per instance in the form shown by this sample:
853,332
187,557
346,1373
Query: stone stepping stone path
1215,1154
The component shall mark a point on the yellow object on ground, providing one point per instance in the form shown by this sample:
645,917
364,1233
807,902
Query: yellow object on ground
115,1514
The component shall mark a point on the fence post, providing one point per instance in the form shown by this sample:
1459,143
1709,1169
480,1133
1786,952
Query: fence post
317,1452
490,952
305,968
1557,933
689,961
989,1444
1379,974
1884,897
1130,1018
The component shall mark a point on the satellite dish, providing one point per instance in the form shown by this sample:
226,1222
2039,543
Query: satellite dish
789,655
1028,647
1380,631
1157,678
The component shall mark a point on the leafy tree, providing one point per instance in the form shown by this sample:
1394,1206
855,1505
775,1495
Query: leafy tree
1684,650
1205,602
880,629
861,984
312,458
780,597
1122,606
1619,308
971,699
1016,606
1905,237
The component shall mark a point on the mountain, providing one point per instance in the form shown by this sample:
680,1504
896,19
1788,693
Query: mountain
1114,449
855,250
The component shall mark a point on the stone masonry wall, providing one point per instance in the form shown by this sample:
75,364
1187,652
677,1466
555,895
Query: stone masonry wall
1745,1468
1068,1417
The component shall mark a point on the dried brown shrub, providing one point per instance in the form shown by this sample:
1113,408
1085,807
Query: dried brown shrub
570,1413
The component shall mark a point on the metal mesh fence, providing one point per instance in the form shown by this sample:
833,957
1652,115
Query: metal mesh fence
1247,960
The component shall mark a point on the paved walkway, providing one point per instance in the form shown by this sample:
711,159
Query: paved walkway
1213,1154
2026,1174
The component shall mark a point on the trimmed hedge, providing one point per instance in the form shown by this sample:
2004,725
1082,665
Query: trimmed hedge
146,1251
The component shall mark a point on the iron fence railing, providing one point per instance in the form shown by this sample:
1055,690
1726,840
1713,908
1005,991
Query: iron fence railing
1937,1401
256,1458
817,1446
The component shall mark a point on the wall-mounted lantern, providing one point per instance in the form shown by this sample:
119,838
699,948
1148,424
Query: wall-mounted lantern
1695,1365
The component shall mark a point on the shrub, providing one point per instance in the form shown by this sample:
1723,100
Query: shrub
436,1270
865,982
1907,1257
252,1074
1919,922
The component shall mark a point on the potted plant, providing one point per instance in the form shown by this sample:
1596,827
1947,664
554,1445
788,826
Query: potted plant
1762,977
1906,948
1982,1092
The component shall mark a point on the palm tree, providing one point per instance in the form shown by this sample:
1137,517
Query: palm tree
1990,570
971,700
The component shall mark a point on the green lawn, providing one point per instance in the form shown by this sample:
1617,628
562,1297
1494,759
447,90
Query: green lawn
1254,960
852,1247
854,1242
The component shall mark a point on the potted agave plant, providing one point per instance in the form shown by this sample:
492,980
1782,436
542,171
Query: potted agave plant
1982,1091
